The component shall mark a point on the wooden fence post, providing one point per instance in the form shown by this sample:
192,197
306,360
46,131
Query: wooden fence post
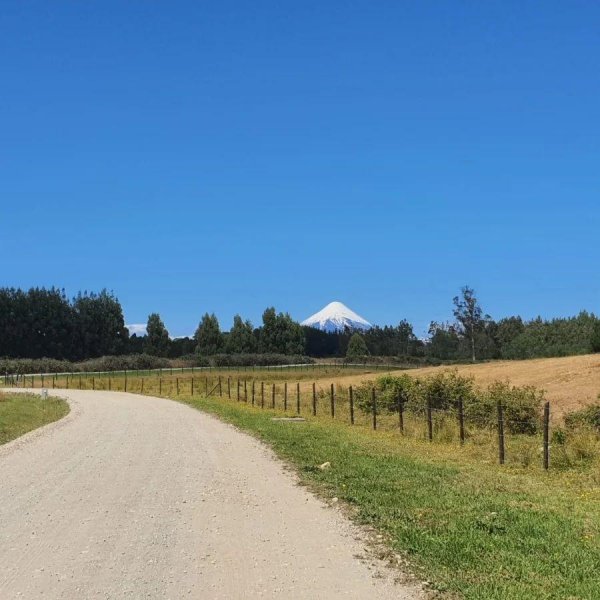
245,391
298,398
238,390
351,402
332,399
546,435
160,386
314,399
229,387
262,394
285,396
273,397
374,406
500,433
253,385
177,384
93,383
109,385
461,421
125,379
429,421
141,387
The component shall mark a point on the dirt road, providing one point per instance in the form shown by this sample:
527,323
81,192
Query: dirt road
137,497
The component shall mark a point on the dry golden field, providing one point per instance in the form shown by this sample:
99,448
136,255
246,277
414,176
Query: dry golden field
570,382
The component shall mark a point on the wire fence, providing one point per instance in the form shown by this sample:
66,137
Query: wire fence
489,435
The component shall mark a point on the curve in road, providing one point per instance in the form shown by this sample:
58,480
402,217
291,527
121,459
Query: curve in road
139,497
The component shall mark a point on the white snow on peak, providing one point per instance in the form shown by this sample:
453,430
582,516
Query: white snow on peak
336,317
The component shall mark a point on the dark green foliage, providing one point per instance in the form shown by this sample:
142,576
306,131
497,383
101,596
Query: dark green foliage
443,391
595,339
157,336
588,416
280,334
558,337
241,338
357,348
248,360
208,336
103,363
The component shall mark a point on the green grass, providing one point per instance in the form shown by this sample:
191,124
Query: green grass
20,413
474,530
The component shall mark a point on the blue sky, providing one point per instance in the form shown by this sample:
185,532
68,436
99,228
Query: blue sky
227,156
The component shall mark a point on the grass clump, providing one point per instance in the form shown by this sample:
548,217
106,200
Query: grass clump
20,413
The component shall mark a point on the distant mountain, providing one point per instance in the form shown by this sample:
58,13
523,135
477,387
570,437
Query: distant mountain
336,317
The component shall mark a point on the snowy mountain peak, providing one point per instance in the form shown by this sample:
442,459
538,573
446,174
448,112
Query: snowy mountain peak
336,317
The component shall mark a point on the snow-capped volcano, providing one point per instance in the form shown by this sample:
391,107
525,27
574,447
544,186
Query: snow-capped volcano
336,317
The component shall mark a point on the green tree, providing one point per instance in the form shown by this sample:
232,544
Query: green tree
280,334
469,315
208,336
100,324
241,339
157,336
595,338
357,347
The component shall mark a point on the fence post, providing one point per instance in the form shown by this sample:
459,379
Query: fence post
351,402
177,384
159,386
192,387
273,397
429,422
206,386
400,414
125,379
245,391
93,383
142,386
220,388
285,396
79,381
109,385
374,403
298,398
546,435
332,397
314,399
461,421
229,387
238,390
500,433
262,394
253,382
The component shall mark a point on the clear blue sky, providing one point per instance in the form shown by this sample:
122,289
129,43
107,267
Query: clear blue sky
227,156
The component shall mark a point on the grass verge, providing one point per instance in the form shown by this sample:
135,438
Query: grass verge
20,413
485,533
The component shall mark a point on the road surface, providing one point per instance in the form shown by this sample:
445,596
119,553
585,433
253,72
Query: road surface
138,497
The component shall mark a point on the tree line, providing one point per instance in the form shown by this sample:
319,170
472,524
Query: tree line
45,323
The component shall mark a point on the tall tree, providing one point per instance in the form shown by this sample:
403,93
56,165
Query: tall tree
357,347
280,334
101,324
469,315
208,336
240,339
157,336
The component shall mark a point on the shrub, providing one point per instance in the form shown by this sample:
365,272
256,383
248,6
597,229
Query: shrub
521,407
588,416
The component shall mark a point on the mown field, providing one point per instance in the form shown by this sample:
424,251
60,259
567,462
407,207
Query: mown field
20,413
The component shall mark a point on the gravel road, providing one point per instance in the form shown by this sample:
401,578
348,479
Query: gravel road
139,497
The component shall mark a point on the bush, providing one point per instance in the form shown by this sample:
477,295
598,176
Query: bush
588,416
521,407
248,360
